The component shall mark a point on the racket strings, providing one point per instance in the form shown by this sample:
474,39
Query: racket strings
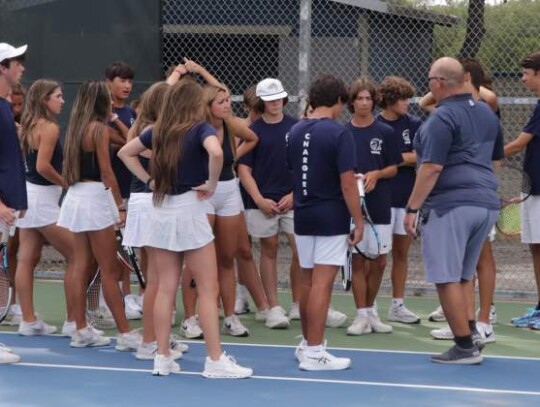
509,221
514,184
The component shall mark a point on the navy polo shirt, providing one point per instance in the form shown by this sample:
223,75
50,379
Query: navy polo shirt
319,151
123,176
401,185
192,168
12,172
531,164
377,148
268,160
460,135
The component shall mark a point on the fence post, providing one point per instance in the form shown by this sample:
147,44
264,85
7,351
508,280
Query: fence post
304,51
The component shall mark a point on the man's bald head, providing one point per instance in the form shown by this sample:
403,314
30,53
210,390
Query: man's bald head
448,69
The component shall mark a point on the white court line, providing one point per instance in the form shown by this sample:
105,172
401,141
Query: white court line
305,380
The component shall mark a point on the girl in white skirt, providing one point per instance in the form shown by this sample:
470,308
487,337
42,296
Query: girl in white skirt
185,170
87,212
40,144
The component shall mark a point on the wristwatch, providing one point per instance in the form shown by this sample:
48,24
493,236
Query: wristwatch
411,210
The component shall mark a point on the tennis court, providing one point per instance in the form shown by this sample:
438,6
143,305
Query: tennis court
386,369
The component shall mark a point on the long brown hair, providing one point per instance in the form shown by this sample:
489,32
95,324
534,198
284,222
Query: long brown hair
36,109
149,107
182,109
89,114
210,94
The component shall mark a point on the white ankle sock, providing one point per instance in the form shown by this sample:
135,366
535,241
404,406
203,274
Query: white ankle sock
362,312
313,350
397,302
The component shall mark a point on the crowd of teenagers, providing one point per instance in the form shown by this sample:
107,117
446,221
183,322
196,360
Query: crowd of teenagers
193,184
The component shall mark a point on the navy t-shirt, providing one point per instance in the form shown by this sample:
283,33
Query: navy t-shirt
460,135
136,184
401,185
193,165
377,148
319,150
127,116
12,178
531,164
268,160
227,171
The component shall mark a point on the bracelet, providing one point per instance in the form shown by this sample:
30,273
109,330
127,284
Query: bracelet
410,210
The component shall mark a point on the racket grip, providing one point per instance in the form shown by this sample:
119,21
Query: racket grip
360,182
112,205
6,231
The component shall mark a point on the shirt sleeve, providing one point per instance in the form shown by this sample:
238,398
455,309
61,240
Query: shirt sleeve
498,149
346,152
415,125
393,147
437,140
204,131
533,125
146,138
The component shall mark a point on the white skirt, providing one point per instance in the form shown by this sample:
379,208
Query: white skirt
86,207
43,208
139,207
178,224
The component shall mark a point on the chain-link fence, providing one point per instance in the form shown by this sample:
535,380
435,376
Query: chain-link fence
244,41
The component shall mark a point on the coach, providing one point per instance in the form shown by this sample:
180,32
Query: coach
455,198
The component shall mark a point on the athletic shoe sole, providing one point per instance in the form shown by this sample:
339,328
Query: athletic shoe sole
473,360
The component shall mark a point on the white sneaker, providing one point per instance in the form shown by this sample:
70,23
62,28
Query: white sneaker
359,326
37,327
176,344
241,305
191,329
444,333
8,356
14,316
485,331
4,348
128,341
69,328
165,365
260,316
376,324
294,312
437,315
225,368
323,361
132,307
234,327
300,350
276,318
402,314
335,319
87,337
148,351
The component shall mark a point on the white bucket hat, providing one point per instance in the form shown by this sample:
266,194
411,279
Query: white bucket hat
270,89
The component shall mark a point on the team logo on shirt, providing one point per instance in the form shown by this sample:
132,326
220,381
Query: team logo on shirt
406,136
305,162
376,145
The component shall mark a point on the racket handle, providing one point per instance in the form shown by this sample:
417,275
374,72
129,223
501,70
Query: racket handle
360,181
6,231
112,205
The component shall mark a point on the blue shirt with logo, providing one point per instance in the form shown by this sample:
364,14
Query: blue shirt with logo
531,164
460,135
192,168
127,116
268,160
12,173
319,151
377,148
401,185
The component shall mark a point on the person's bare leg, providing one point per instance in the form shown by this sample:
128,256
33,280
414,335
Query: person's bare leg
400,250
322,279
374,278
453,301
294,270
150,293
13,248
535,251
77,278
269,250
226,234
305,289
359,281
486,270
189,293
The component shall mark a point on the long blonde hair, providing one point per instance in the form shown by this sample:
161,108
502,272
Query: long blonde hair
149,107
182,109
36,109
90,110
210,94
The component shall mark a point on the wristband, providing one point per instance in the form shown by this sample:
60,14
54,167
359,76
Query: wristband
410,210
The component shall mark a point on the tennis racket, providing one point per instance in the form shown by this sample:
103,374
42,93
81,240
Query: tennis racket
346,271
514,189
6,285
370,246
126,255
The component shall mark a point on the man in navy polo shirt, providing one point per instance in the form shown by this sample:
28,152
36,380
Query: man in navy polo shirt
13,198
322,157
457,191
529,139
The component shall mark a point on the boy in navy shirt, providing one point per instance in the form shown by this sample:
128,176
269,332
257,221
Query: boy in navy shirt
529,139
378,154
13,198
268,183
395,93
322,157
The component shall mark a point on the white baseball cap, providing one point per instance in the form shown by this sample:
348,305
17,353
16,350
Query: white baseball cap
8,51
270,89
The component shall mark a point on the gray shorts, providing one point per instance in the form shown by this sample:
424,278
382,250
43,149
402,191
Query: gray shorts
451,243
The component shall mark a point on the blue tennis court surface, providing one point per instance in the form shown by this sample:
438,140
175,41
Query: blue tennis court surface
53,374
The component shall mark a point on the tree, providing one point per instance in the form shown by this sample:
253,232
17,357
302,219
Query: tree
475,29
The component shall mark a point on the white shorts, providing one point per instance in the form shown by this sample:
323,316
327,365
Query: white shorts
324,250
369,242
137,221
180,223
530,220
86,207
398,217
227,200
43,208
261,226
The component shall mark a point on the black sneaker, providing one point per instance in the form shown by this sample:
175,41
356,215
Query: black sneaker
459,356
